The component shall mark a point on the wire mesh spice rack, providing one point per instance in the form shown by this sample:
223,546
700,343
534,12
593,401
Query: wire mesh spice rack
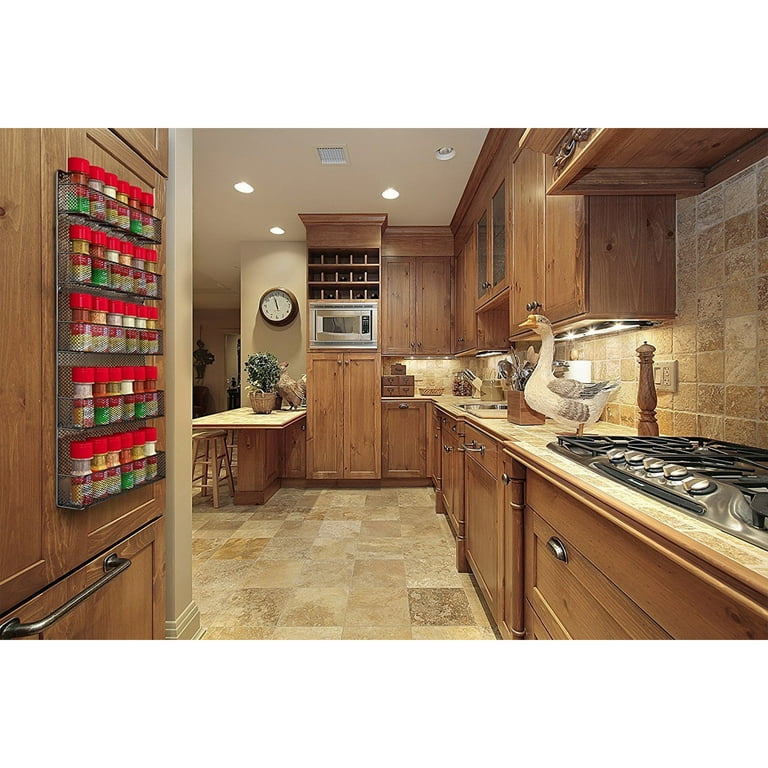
131,290
339,274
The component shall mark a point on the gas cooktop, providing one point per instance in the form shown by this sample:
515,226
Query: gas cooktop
723,484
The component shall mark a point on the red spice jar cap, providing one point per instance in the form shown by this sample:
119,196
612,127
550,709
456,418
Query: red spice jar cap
150,254
126,247
81,449
78,165
130,310
139,253
83,375
96,173
79,232
154,313
100,303
147,198
127,373
116,307
142,311
134,193
113,243
114,443
123,186
110,179
116,373
102,374
150,434
126,440
139,373
99,445
98,237
151,372
80,300
138,437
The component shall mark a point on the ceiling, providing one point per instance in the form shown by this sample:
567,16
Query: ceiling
288,178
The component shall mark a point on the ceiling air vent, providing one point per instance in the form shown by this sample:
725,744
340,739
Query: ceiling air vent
332,155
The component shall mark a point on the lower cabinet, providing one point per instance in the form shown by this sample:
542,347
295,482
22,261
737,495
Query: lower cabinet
403,439
452,487
434,448
483,515
110,596
588,578
512,622
295,449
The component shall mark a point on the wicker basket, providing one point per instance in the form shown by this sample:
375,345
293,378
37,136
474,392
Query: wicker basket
431,391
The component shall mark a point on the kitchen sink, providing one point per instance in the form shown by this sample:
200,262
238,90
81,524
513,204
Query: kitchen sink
486,410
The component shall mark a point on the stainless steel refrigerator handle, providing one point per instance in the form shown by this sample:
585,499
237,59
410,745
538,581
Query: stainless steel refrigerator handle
13,628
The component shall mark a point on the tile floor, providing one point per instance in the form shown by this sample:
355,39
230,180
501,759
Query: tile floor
332,565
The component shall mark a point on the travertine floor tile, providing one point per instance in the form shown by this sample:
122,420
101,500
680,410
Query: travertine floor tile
376,633
315,607
439,607
378,574
386,607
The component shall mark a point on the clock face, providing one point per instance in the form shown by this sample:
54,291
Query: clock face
278,306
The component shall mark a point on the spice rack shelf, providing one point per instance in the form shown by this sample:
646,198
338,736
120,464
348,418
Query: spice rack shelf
339,274
107,321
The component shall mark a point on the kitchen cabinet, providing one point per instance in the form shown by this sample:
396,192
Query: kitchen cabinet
295,450
452,486
150,143
512,609
654,161
403,439
434,448
587,576
466,322
416,312
604,258
43,542
343,415
491,237
483,515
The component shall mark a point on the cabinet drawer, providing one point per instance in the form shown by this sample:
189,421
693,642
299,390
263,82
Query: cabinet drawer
397,381
483,448
681,598
387,391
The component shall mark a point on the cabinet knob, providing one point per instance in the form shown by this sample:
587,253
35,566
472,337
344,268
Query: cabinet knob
346,362
532,306
403,405
556,547
447,448
506,478
338,362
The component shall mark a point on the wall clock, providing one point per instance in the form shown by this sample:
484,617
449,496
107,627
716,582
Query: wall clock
278,306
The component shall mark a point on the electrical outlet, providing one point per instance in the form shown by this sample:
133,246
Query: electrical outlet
665,375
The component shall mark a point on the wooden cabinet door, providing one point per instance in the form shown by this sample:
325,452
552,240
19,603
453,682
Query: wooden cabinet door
528,200
466,332
403,439
434,327
513,623
325,415
483,529
565,289
25,292
129,606
361,416
150,143
397,303
295,449
434,449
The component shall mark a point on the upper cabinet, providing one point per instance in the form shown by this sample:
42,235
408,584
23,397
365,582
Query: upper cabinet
149,143
647,161
492,247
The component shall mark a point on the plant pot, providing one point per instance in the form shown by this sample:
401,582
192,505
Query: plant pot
263,402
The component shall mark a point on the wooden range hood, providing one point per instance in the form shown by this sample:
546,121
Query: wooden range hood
645,161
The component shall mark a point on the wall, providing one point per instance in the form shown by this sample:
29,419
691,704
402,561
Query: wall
211,325
720,336
264,266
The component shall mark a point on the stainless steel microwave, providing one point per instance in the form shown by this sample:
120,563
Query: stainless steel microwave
343,325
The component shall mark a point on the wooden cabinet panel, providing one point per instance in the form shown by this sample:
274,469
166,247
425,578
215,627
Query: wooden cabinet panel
295,450
150,143
513,623
466,322
452,487
403,439
434,448
129,607
397,306
343,415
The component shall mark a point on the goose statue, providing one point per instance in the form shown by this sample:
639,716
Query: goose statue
570,402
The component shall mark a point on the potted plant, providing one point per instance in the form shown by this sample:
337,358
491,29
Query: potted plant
263,371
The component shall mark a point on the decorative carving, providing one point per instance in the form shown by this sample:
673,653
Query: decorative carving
568,145
646,392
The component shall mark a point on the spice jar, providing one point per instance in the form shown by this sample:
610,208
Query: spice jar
126,461
79,199
99,307
150,451
140,401
113,392
141,316
98,244
126,392
152,317
80,238
80,339
151,395
99,468
123,211
139,275
82,397
113,464
80,454
131,334
148,211
137,454
96,185
126,381
134,201
79,258
99,267
99,330
110,198
150,276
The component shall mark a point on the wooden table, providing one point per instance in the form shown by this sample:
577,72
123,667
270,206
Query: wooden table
270,447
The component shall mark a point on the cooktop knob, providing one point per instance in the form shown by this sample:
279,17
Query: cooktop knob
634,457
698,486
616,455
653,465
675,471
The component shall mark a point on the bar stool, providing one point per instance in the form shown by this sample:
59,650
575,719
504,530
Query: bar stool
209,452
232,450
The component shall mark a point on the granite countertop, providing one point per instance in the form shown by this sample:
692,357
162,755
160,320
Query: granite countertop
530,443
245,418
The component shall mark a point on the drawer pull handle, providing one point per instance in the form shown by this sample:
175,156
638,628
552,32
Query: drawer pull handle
555,546
13,628
475,448
506,478
403,405
447,448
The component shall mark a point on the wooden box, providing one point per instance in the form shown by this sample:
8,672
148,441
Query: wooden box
398,369
518,411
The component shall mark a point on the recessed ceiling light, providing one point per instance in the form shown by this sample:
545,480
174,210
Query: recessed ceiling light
390,193
244,187
445,153
277,230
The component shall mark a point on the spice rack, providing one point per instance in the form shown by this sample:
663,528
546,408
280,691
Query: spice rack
339,274
120,297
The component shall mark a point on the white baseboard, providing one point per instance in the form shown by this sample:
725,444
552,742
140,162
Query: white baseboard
186,626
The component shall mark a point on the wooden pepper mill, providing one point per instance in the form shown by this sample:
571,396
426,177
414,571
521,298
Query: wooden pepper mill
646,392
